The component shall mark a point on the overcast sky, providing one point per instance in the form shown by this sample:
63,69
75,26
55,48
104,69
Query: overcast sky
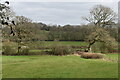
60,13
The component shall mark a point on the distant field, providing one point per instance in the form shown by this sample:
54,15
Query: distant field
52,43
58,67
38,44
70,43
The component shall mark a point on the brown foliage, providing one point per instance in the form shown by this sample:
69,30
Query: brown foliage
92,55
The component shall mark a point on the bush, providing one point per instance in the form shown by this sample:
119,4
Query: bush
92,55
103,48
8,50
24,50
61,50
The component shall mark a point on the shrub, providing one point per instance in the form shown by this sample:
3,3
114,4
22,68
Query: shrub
38,53
78,52
92,55
99,47
24,50
103,48
8,50
61,50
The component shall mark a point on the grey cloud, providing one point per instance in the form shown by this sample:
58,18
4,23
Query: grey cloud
55,12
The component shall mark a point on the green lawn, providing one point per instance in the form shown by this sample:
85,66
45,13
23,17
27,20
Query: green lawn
113,56
58,67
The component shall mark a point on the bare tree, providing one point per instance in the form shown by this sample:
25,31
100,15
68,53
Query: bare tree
22,19
21,31
101,16
6,16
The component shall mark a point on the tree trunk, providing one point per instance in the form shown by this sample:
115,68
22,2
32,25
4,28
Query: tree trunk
89,46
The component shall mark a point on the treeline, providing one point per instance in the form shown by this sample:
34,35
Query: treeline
75,33
41,32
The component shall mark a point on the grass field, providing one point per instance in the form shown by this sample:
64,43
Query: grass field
70,43
58,67
38,44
